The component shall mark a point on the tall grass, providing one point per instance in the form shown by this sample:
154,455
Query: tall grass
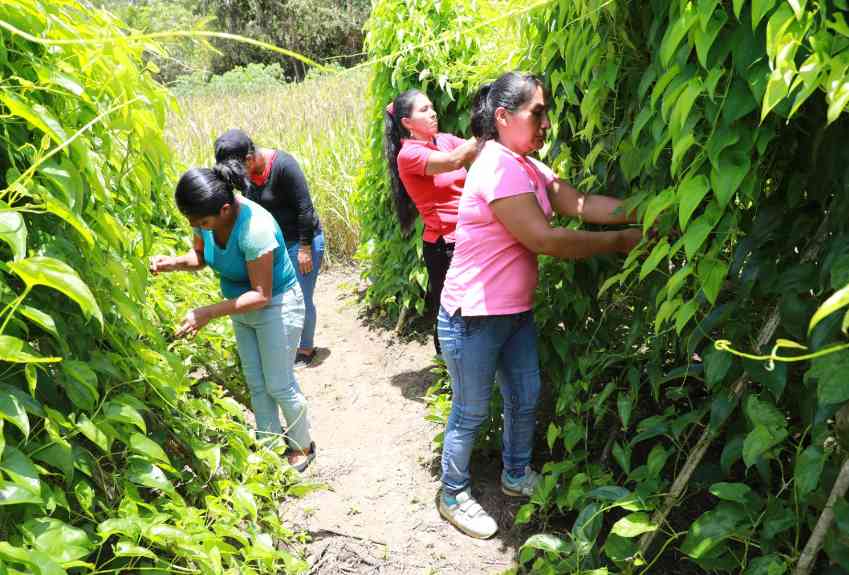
321,121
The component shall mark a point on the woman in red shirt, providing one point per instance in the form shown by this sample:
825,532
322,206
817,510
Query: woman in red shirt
427,170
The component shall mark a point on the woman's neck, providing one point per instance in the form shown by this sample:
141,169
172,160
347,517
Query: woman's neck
222,232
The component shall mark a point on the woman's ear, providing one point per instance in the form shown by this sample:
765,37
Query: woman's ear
501,116
405,123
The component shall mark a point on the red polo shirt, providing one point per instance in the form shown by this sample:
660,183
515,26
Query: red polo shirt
436,197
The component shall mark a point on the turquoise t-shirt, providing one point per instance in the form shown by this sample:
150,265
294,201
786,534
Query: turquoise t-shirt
254,234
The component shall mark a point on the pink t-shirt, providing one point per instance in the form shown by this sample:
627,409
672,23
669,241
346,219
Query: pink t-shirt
436,197
491,272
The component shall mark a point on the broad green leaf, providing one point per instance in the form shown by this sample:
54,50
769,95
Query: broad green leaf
622,455
705,9
837,96
146,446
717,364
656,460
93,433
549,544
35,114
798,6
724,137
684,105
13,411
691,192
56,274
80,383
674,34
711,273
41,562
20,469
738,492
684,314
209,454
738,103
60,210
700,229
656,206
771,564
13,231
119,410
633,524
760,440
129,526
39,318
125,548
809,465
619,548
657,254
830,371
676,282
665,312
679,151
243,501
730,173
85,495
738,7
808,78
776,90
713,527
145,473
763,412
836,301
14,494
62,542
625,405
16,350
705,36
759,10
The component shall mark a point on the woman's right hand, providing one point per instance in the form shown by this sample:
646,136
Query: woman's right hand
162,264
628,239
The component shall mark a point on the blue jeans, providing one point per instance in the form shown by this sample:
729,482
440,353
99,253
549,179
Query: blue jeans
478,350
307,283
267,339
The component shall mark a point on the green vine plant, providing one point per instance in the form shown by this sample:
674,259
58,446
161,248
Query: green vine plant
723,124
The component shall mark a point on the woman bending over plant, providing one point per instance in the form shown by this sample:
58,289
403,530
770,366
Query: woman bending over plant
427,169
242,243
485,323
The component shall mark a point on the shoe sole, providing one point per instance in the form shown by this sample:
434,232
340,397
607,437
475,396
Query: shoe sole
510,493
459,527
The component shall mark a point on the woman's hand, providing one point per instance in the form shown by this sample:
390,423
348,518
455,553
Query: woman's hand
162,264
305,259
628,239
193,322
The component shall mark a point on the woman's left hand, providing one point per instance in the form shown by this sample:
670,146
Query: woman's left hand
192,323
305,259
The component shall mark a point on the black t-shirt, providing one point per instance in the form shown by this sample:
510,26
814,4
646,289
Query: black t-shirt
287,196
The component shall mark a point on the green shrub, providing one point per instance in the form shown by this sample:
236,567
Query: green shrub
116,453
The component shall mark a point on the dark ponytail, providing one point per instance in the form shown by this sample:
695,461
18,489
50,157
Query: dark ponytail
393,132
510,91
202,192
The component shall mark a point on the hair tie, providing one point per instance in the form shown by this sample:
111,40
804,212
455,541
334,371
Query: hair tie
390,109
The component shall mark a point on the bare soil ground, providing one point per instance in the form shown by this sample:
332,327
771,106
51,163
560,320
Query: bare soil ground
377,513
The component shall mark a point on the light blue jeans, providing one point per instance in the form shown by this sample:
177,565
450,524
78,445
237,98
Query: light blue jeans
267,339
477,351
307,283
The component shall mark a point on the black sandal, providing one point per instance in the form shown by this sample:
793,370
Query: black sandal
302,466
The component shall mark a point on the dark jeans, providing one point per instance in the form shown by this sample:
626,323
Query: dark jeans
437,257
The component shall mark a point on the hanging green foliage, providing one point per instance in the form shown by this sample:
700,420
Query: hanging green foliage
113,456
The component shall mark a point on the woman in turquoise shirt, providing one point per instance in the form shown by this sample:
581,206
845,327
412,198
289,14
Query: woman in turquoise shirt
243,244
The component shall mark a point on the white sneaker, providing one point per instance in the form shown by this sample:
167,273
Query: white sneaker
467,516
522,487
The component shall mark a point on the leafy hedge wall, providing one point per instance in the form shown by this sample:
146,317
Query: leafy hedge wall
116,455
723,123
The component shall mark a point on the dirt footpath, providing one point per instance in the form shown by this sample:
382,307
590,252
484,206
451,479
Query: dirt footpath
375,455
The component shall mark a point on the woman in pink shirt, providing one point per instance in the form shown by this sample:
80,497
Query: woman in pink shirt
427,172
485,323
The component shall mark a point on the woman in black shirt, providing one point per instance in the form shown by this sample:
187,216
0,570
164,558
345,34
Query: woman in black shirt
278,184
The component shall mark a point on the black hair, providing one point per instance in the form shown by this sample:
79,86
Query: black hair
511,91
393,132
202,192
233,144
